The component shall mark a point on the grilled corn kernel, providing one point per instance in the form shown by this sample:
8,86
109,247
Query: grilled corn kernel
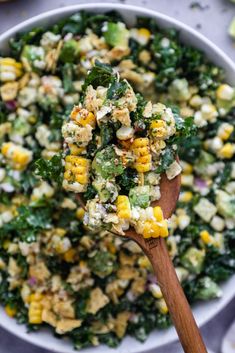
35,297
157,212
225,130
10,311
10,69
143,158
158,129
155,290
225,92
186,167
227,151
80,213
75,150
35,313
186,196
83,117
163,229
206,237
143,35
151,230
144,262
161,305
76,169
18,155
123,207
69,256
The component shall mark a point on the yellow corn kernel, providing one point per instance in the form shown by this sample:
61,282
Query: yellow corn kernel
157,211
10,311
9,69
151,230
163,229
155,290
187,168
143,35
76,160
83,117
206,237
89,119
69,256
142,168
158,129
75,150
82,179
123,207
35,313
144,262
18,155
76,169
225,130
82,264
227,151
162,307
140,142
80,213
35,297
186,196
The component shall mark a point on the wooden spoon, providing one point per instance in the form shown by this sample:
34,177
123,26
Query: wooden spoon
155,249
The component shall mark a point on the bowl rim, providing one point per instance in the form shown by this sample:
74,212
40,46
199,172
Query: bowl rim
67,10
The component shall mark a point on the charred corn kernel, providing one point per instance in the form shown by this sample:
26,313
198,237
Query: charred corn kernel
227,151
162,307
6,244
10,69
144,262
83,117
123,207
69,256
112,248
225,130
158,129
225,92
143,158
157,212
75,150
163,229
35,312
17,155
10,311
155,290
186,196
9,91
80,213
76,169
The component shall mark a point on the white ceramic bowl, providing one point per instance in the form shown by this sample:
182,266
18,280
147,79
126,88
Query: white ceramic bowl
203,311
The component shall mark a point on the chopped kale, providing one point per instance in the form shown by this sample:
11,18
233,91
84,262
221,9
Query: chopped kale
50,170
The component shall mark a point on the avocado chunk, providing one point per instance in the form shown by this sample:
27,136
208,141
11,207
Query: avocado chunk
204,160
116,35
225,204
34,56
207,289
193,260
70,51
107,163
140,196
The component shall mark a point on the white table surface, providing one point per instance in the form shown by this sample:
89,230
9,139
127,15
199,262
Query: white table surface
212,20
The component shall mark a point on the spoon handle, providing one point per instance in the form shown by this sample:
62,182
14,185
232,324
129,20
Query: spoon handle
180,311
